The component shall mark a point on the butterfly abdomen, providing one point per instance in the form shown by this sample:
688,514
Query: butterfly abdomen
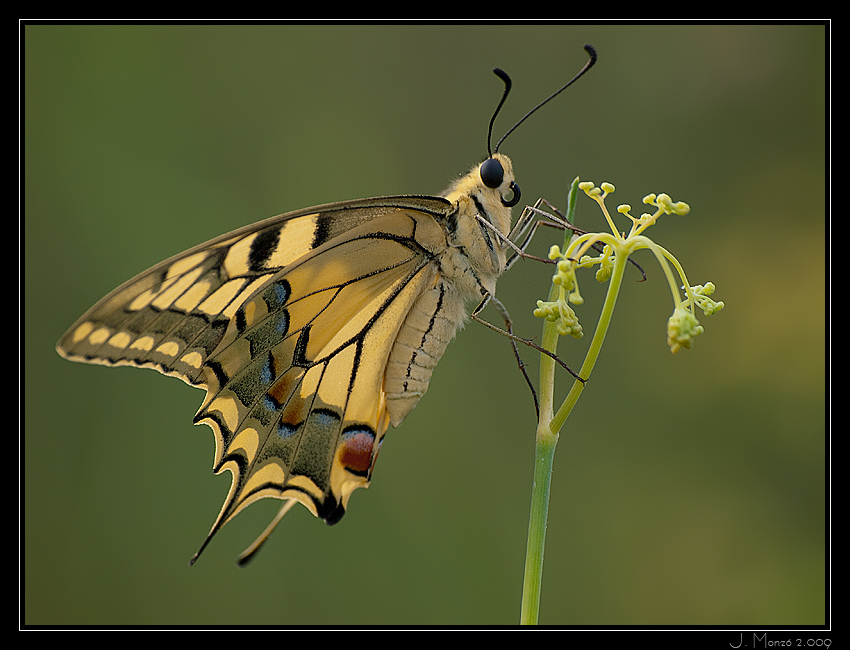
430,325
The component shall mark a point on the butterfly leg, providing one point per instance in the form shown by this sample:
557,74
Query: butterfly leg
525,221
526,228
488,298
558,220
510,330
524,224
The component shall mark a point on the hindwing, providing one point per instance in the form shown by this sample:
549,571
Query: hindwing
288,325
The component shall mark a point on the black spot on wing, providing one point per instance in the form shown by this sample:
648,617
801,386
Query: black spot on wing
299,356
262,247
221,378
331,510
324,230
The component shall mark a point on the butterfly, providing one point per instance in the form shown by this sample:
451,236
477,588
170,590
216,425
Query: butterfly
314,331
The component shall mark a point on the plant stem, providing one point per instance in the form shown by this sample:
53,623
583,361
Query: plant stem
544,455
595,348
548,429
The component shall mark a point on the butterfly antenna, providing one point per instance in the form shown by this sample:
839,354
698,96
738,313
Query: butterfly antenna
508,83
587,66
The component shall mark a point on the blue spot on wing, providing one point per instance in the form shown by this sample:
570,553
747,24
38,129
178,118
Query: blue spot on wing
285,430
269,404
267,371
277,294
282,324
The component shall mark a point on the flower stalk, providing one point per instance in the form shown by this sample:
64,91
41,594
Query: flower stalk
614,249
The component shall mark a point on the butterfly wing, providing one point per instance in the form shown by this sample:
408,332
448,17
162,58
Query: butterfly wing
288,325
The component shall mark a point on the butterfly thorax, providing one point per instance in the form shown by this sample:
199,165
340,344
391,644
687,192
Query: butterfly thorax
477,252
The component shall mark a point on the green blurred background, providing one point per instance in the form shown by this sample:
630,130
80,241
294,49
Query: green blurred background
687,490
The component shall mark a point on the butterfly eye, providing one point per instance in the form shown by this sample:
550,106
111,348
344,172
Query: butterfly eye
515,198
492,173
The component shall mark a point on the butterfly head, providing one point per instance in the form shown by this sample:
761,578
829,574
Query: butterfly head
492,174
489,189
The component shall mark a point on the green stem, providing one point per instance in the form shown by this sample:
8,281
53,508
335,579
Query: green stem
548,429
596,344
544,455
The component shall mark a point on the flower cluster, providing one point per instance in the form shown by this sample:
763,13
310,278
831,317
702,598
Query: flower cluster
683,325
612,249
559,311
